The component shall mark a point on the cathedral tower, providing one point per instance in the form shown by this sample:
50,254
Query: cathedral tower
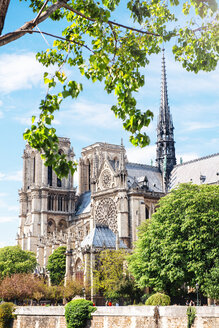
165,156
47,204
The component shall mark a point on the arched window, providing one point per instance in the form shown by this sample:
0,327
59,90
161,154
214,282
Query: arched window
50,202
51,226
62,225
59,181
59,203
146,212
50,175
79,273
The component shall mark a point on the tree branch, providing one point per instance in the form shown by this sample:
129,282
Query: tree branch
27,27
58,37
3,11
66,6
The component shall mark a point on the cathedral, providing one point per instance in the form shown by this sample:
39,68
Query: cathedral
114,196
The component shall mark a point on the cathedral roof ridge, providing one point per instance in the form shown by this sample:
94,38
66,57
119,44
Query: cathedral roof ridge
102,144
142,165
197,159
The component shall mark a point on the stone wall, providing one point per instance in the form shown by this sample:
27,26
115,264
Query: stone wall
119,317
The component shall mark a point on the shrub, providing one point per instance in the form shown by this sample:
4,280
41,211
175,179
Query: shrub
77,312
6,314
158,299
191,313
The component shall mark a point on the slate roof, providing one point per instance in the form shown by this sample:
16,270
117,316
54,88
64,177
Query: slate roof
83,204
202,170
101,237
137,172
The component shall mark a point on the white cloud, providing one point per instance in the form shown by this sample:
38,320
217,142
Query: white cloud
4,219
90,114
13,176
142,155
19,71
192,126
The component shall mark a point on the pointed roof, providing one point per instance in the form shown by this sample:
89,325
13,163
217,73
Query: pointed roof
164,114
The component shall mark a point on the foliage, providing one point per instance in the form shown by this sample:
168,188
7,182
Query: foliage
110,52
109,272
21,287
6,314
77,312
180,243
56,265
72,289
158,299
14,260
191,314
112,278
54,293
211,287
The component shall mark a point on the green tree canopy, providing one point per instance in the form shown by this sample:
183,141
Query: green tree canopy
180,244
114,53
112,278
56,265
14,260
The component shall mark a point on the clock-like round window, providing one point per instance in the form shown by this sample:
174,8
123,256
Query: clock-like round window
106,214
106,179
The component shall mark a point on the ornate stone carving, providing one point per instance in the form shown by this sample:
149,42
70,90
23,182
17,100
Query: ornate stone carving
106,214
106,179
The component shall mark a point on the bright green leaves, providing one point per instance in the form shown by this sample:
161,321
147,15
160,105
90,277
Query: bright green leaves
114,54
180,243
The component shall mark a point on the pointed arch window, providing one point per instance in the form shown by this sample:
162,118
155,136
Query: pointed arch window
50,175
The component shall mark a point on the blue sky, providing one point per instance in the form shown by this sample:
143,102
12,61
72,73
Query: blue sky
193,99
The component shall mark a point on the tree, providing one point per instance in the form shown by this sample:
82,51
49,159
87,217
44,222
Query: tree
56,265
114,53
112,278
14,260
21,287
72,289
109,272
180,243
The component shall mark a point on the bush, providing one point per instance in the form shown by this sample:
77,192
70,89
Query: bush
77,312
6,314
158,299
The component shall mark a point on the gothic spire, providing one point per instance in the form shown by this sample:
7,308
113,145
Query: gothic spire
166,158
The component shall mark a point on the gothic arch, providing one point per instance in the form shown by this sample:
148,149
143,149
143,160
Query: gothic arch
62,225
147,212
79,271
51,226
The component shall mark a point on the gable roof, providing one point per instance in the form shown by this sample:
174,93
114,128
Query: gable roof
139,171
198,171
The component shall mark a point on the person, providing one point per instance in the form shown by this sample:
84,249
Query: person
110,303
191,303
187,303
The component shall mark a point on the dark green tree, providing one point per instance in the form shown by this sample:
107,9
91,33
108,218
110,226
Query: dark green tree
180,243
113,53
14,260
56,265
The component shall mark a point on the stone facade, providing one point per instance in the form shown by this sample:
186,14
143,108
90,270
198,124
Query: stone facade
119,317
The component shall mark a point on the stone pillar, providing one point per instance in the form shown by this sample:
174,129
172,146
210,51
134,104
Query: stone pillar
92,268
68,273
44,175
123,218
